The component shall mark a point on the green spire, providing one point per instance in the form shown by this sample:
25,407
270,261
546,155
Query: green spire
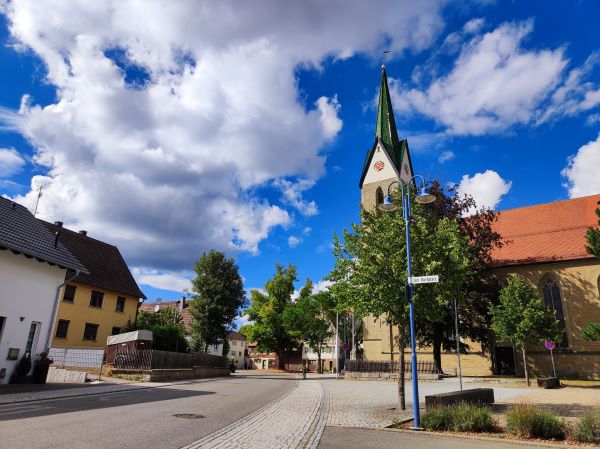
385,129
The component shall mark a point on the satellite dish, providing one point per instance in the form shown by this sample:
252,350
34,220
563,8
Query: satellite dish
156,308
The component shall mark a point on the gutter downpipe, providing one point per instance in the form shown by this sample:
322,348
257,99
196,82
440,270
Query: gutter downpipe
55,310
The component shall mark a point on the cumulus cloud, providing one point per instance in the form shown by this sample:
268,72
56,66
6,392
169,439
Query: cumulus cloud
174,281
292,195
11,162
496,82
293,241
582,170
487,189
171,116
446,156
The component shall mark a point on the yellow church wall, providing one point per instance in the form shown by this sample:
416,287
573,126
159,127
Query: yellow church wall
79,312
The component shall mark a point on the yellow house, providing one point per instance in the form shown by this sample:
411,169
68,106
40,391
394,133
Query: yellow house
96,305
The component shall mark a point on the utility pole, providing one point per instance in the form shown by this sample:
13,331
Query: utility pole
457,338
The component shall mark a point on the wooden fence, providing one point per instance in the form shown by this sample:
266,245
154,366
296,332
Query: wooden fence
149,359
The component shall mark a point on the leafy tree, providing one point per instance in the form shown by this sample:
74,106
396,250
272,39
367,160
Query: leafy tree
591,332
521,317
309,319
593,239
370,271
167,329
218,294
266,313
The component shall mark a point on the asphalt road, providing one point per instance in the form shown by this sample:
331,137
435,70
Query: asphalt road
139,418
349,438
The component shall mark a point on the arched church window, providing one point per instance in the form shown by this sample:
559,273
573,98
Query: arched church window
378,196
552,300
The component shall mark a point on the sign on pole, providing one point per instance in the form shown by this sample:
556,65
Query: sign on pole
425,279
550,345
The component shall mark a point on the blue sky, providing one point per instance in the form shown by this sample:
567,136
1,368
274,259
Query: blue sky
244,129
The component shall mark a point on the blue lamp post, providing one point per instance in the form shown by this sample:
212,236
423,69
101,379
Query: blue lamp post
423,197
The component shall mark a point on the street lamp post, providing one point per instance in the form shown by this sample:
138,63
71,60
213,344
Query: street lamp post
388,205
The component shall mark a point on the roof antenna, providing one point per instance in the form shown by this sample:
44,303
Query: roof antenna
39,195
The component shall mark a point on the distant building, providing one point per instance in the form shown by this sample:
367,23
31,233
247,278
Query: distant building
182,305
96,304
33,265
238,350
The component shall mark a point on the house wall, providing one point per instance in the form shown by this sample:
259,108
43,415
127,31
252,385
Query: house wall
27,290
79,312
237,351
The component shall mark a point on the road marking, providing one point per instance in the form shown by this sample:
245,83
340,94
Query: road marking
24,409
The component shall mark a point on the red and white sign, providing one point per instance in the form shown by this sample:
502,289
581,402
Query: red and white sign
549,345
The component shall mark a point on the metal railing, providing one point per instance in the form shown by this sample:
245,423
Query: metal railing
148,359
76,357
388,366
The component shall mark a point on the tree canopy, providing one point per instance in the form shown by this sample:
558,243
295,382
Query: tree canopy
218,295
593,239
167,329
521,317
266,312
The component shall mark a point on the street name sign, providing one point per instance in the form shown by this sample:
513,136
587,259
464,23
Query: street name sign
425,279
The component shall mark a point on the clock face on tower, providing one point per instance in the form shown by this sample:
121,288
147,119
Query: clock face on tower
378,165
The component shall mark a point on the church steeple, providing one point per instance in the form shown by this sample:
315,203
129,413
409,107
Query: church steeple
385,129
386,136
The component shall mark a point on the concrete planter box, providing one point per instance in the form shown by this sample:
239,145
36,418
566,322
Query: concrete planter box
476,396
548,382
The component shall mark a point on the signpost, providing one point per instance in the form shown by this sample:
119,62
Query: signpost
424,279
550,345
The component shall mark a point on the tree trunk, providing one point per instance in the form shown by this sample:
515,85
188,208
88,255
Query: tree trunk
437,348
281,364
401,389
525,366
319,364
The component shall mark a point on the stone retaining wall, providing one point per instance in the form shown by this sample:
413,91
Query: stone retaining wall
65,376
388,376
163,375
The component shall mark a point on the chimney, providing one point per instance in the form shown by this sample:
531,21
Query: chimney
56,236
182,303
13,206
58,224
82,232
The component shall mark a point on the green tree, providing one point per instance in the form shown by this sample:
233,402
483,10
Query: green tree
521,317
309,319
218,295
593,239
591,332
266,311
370,270
166,325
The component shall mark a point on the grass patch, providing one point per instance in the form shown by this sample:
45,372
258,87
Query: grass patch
587,430
460,418
525,420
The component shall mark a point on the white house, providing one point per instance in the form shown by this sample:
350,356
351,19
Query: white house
237,349
33,265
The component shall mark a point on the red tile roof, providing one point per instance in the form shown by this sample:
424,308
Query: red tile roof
546,232
185,313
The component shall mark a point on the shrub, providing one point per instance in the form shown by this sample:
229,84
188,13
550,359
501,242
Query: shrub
525,420
460,418
587,429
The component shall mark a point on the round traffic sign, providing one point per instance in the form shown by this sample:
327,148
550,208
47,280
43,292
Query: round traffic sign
549,345
345,346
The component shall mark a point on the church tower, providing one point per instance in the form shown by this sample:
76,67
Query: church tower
388,159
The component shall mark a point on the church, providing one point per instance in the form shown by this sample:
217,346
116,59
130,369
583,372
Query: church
544,243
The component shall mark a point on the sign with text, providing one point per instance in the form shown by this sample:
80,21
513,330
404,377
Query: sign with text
425,279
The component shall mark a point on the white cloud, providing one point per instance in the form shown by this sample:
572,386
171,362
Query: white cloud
169,165
306,230
487,189
294,241
582,170
592,119
11,162
474,25
173,281
446,156
292,195
496,83
322,285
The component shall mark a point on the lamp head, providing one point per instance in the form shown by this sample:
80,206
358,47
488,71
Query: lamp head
424,197
388,204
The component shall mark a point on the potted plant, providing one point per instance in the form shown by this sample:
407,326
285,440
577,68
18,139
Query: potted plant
40,369
19,376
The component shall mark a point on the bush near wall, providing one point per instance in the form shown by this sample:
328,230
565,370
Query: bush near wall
460,417
587,430
526,421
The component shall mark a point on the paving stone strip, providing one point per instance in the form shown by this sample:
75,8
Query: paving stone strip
294,420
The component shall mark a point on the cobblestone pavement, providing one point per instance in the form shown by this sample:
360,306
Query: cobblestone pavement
295,420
